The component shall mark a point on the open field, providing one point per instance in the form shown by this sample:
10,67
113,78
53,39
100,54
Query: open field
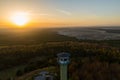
30,36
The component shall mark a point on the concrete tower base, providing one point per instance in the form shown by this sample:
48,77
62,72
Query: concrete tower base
63,71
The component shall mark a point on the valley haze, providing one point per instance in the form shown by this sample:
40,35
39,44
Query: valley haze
97,33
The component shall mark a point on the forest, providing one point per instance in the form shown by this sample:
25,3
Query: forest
89,61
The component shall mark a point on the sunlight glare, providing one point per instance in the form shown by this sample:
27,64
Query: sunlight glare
20,18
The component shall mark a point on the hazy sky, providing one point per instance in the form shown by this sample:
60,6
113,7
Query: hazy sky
64,12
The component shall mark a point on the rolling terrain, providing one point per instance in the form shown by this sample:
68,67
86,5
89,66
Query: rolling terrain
24,53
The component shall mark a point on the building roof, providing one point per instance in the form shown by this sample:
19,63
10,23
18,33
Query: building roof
63,54
44,72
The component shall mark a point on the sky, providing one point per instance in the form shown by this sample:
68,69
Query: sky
64,12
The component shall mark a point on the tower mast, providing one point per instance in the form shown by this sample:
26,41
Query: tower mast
63,60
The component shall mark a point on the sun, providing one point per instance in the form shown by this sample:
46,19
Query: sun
20,18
